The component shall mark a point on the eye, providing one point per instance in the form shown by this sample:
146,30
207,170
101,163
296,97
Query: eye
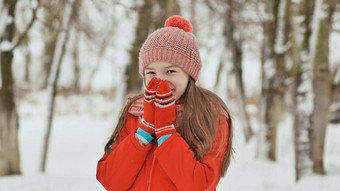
171,71
150,73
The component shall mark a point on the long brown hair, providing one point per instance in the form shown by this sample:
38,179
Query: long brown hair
201,107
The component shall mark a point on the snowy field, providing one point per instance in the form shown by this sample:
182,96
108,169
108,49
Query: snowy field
83,124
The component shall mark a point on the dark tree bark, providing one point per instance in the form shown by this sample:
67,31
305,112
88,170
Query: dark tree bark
76,66
134,81
52,24
235,45
303,92
273,87
322,88
9,123
53,80
167,9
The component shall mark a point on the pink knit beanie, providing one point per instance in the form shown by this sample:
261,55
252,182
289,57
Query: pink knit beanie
174,44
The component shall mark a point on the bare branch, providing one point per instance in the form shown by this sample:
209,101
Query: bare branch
336,85
217,6
335,71
134,8
210,6
19,38
99,4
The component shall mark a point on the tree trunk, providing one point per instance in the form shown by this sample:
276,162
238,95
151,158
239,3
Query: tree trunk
193,13
303,90
9,123
167,9
236,48
334,113
27,54
302,124
273,76
51,27
322,88
218,75
53,81
240,95
134,81
27,66
76,66
269,111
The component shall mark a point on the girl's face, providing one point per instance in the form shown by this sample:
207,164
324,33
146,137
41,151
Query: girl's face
175,76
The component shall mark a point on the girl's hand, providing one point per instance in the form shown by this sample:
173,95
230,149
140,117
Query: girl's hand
148,122
165,114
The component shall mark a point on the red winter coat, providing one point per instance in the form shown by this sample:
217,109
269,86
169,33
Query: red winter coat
171,166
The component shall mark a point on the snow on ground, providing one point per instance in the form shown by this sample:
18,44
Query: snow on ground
83,124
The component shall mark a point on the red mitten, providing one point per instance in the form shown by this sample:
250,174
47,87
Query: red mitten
165,114
148,122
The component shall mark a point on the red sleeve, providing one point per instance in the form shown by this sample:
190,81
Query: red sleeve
126,159
185,171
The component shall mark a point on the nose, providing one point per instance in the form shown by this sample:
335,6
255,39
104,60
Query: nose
161,76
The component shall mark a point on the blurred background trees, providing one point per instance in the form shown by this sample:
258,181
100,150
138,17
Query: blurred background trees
290,40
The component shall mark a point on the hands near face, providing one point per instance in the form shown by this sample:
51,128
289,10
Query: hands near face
159,109
165,114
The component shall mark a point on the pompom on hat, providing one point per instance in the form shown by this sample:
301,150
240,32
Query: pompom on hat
174,44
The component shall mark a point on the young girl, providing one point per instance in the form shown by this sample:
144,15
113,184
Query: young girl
175,136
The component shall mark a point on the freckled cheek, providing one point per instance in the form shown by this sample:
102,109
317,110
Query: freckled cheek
177,87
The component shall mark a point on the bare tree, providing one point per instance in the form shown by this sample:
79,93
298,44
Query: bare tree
9,125
51,21
334,116
9,122
301,56
76,66
134,82
233,26
322,83
164,10
28,59
234,43
53,80
273,75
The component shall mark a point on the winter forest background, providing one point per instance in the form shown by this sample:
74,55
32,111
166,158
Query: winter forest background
67,67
